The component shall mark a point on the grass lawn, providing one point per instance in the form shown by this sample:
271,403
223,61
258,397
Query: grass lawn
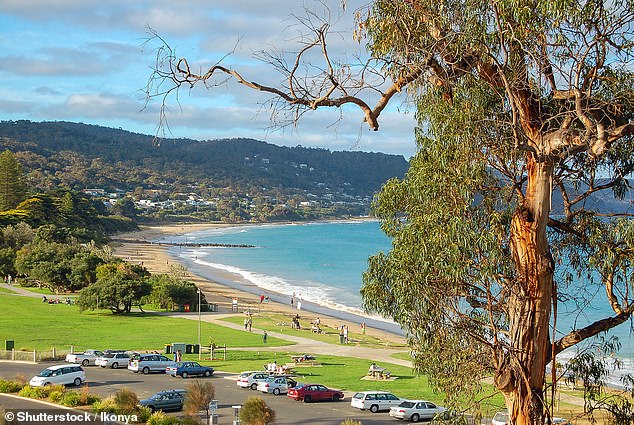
282,324
33,324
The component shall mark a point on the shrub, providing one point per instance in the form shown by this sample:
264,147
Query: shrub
71,399
10,386
86,398
106,405
55,396
33,392
142,413
160,418
126,400
198,396
255,412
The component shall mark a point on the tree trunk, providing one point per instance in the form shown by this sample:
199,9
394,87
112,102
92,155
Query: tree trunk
521,374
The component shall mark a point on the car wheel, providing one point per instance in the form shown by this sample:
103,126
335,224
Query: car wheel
374,408
307,399
146,370
276,391
152,409
254,386
335,397
85,362
415,417
184,375
115,365
207,374
77,382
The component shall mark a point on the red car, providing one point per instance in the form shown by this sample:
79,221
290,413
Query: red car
313,392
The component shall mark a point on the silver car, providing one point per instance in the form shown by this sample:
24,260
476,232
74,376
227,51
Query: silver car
416,410
147,363
113,360
276,385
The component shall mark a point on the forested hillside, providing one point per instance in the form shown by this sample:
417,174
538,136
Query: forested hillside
78,156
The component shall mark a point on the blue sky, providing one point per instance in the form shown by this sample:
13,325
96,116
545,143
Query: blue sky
84,61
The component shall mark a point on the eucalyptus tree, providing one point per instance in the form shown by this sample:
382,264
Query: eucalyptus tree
525,111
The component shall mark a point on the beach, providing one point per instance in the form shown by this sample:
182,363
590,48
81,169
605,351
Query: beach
134,247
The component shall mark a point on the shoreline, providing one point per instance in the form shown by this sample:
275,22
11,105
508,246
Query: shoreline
221,290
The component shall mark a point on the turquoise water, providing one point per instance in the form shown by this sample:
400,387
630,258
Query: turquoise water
322,263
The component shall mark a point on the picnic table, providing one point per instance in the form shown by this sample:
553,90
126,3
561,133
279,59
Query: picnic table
303,358
378,372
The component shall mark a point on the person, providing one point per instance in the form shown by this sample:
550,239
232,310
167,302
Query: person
293,300
341,334
44,298
179,356
261,298
345,334
250,322
363,328
317,322
264,336
175,356
246,322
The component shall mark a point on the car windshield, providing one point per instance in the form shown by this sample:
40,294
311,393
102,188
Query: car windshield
158,396
46,373
108,356
406,404
270,379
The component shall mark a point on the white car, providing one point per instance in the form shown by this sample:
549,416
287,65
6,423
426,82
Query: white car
276,385
60,374
113,360
251,379
375,400
415,410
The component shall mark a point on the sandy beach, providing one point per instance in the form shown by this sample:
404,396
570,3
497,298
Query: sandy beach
133,247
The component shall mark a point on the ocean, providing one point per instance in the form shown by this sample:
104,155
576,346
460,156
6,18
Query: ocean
322,264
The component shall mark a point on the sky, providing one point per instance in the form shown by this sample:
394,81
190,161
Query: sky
87,61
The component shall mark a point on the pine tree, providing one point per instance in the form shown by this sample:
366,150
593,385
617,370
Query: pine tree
12,185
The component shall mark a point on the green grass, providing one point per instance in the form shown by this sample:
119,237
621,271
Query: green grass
33,324
5,290
282,324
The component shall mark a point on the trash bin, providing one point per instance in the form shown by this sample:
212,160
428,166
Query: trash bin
9,345
168,348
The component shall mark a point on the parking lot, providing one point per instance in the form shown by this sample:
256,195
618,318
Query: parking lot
107,381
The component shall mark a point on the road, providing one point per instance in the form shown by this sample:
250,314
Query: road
104,382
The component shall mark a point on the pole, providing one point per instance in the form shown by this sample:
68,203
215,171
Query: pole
199,346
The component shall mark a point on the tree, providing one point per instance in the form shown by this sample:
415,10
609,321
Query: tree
199,394
119,286
12,185
255,411
518,101
169,291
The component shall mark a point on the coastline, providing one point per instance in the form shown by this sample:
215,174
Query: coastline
133,247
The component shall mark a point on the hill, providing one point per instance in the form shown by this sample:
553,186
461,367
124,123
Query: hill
78,156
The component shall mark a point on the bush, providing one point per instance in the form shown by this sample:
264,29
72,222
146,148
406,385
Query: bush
126,400
71,399
10,386
106,405
256,412
142,413
33,392
160,418
55,396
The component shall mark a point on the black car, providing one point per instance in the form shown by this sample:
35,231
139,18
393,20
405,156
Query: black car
165,400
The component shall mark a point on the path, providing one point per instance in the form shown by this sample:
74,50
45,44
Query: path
306,345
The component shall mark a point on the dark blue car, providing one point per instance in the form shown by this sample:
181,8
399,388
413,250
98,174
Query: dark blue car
186,369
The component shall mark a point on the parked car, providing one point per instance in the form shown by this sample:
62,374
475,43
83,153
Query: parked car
276,385
500,418
113,360
374,400
251,379
165,400
59,374
185,369
147,363
314,392
415,410
85,358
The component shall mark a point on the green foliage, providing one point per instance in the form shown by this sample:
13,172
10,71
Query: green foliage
160,418
34,392
12,185
119,286
10,386
105,405
170,291
71,399
255,411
